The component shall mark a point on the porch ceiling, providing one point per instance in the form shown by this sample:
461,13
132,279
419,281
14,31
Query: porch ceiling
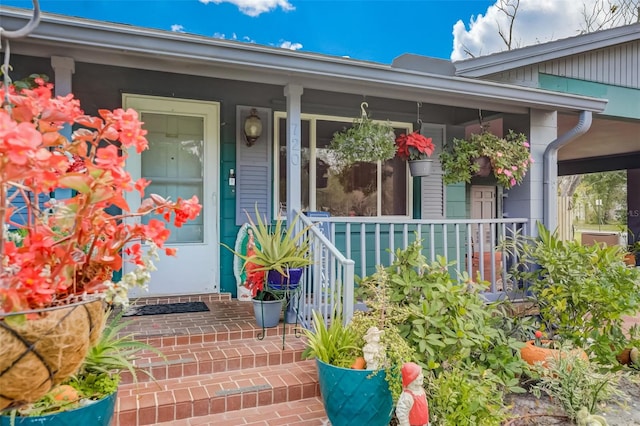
606,137
127,46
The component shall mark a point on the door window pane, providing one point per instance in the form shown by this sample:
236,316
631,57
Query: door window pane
174,163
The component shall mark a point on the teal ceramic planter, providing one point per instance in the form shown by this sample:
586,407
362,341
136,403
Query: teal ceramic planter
98,413
354,397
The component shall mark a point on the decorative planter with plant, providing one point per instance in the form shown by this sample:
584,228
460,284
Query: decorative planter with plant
359,364
417,150
58,255
274,260
88,396
507,158
366,141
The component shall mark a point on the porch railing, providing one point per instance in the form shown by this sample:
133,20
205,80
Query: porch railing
471,244
329,282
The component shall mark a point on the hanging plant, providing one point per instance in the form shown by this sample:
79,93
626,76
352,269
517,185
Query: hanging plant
509,158
366,141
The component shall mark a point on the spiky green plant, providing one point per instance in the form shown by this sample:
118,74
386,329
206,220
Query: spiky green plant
335,344
278,247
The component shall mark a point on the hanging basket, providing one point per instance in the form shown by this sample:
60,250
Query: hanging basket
420,167
484,163
40,353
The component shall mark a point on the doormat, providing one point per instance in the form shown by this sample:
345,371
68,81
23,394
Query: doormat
167,308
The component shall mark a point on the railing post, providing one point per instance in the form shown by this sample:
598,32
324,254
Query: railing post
348,300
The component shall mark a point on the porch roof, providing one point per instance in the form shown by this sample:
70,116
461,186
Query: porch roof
128,46
521,57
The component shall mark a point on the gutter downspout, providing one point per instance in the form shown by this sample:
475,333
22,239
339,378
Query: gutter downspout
550,183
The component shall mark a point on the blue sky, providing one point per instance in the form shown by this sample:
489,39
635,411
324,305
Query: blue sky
368,30
373,30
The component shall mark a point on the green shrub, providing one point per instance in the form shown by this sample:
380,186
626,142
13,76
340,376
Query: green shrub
583,292
458,398
448,321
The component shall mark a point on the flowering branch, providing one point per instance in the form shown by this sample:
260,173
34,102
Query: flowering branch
71,247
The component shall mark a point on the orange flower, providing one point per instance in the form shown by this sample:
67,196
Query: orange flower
61,244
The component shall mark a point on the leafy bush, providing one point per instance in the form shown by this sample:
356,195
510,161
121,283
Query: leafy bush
448,321
460,398
583,292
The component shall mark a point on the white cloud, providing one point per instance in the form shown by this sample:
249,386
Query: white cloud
233,36
255,7
177,28
289,45
537,21
223,36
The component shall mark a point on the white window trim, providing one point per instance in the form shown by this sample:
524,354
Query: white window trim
312,118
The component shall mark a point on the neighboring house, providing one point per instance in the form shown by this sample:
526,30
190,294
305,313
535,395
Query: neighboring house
604,64
194,94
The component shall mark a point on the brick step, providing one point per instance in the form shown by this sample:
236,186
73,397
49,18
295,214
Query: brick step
304,412
226,320
193,396
215,357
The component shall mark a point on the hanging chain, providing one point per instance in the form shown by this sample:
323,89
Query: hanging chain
12,35
419,119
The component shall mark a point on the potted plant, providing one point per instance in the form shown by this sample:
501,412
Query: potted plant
359,363
416,149
88,396
507,158
366,141
274,261
279,251
58,260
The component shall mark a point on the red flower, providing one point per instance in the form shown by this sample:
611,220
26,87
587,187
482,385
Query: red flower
414,146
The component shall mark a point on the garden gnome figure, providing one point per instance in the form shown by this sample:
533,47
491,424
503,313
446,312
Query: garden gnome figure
412,408
373,351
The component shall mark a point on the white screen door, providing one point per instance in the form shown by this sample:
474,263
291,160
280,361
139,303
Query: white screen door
181,162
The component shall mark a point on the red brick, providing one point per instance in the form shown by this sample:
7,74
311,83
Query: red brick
184,410
147,416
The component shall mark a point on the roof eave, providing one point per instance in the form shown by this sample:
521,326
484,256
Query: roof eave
114,44
504,61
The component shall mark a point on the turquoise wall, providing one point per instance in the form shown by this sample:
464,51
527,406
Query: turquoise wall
623,101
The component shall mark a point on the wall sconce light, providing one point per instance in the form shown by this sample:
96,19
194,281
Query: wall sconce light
252,127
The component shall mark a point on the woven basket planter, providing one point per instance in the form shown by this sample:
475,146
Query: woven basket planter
43,352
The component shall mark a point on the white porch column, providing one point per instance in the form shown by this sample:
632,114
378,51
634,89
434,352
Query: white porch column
293,92
527,199
63,68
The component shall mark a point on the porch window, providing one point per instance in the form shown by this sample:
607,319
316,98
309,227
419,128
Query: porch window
362,189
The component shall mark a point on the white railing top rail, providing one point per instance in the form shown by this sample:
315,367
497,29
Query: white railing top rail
403,220
325,241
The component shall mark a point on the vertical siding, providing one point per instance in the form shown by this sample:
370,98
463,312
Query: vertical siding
617,65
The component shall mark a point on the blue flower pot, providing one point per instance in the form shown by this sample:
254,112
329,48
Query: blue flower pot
98,413
267,312
354,397
277,281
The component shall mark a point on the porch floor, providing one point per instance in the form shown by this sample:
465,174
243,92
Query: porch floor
215,370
